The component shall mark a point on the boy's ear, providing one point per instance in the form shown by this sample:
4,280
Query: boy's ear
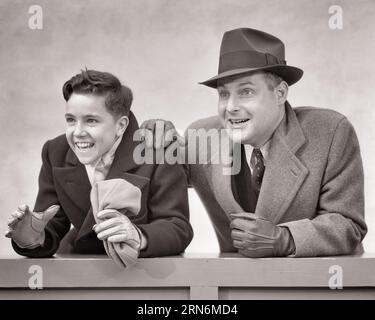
122,124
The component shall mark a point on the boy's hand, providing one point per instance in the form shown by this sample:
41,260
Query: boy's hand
116,227
161,133
26,228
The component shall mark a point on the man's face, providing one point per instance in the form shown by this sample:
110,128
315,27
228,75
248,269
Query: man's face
90,129
249,109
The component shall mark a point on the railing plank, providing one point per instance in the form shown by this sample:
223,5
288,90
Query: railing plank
225,276
204,293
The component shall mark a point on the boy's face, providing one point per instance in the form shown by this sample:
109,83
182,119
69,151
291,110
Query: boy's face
249,109
90,129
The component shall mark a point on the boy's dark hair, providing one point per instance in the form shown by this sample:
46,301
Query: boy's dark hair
118,98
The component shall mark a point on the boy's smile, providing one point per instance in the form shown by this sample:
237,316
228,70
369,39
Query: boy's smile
90,129
84,146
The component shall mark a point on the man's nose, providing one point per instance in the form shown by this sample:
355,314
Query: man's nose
232,104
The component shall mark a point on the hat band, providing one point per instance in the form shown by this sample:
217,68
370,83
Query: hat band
247,59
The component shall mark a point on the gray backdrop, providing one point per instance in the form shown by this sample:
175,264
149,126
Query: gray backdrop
161,49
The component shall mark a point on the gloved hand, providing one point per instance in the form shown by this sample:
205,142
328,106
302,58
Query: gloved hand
160,134
26,228
117,227
257,237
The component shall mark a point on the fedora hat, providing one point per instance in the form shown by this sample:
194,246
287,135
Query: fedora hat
246,50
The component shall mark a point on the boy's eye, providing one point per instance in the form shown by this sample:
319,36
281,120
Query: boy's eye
92,121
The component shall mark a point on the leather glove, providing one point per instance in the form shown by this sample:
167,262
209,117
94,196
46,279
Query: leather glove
117,227
26,228
257,237
160,134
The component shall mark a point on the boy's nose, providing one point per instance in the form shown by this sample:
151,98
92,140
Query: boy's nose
79,130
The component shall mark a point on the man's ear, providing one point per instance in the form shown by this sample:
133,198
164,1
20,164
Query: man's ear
282,92
122,123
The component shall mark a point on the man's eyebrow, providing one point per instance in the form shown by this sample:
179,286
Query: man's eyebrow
246,83
92,115
223,85
69,115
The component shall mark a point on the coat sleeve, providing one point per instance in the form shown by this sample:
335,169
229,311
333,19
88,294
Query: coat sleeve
59,224
168,231
339,225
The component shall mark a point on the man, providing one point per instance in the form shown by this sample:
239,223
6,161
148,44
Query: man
299,191
89,180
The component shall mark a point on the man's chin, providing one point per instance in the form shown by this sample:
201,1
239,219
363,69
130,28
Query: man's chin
237,135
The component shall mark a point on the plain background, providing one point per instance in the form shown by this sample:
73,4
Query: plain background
162,49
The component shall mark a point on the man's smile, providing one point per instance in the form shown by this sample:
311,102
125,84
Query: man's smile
238,123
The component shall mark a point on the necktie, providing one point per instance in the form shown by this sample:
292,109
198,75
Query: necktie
241,186
257,165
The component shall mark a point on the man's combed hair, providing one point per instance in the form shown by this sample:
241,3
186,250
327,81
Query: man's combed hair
118,98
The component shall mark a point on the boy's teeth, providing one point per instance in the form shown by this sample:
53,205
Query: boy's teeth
84,145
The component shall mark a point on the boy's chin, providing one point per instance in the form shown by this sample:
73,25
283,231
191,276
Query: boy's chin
86,160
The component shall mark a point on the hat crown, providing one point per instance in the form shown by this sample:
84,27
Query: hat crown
246,50
247,39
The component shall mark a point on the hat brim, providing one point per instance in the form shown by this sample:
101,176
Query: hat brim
290,74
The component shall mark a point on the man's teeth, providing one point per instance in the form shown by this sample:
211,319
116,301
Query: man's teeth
84,145
238,121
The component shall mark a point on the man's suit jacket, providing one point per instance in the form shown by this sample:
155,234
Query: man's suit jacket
63,180
313,183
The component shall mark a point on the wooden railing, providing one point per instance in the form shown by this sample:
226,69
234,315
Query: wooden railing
225,276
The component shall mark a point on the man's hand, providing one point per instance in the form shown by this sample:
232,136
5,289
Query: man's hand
257,237
117,227
26,228
161,133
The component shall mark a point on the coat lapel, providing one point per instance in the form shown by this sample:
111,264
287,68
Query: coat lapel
282,179
284,172
219,173
73,180
123,162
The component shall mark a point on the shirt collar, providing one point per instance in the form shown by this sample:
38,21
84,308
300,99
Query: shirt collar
264,149
110,154
107,158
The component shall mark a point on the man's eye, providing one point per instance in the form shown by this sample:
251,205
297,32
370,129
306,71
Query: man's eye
92,121
246,92
69,120
223,95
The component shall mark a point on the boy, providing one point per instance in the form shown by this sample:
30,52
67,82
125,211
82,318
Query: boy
98,145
